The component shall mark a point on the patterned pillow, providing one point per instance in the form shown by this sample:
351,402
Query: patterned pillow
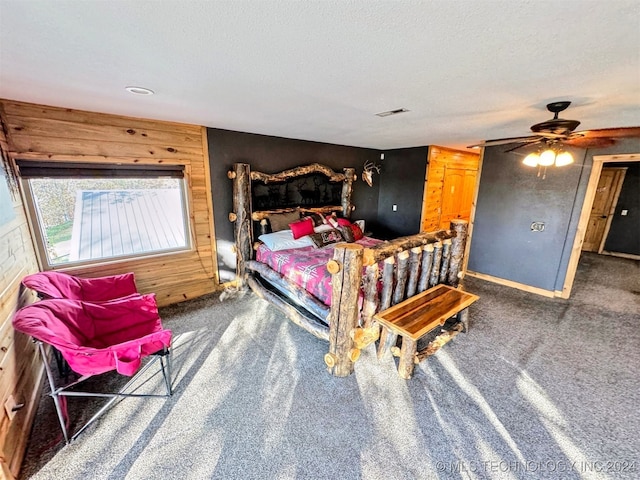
347,234
316,217
356,230
322,239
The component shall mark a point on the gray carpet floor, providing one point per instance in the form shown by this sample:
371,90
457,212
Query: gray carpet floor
538,388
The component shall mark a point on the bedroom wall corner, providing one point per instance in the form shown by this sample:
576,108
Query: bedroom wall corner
401,184
270,154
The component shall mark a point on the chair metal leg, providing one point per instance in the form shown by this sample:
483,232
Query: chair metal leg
58,392
166,369
54,392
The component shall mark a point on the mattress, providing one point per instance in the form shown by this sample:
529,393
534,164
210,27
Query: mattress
306,266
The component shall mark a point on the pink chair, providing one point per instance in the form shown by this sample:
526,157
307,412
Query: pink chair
97,338
62,285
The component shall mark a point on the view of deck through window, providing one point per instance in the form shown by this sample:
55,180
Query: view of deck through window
94,219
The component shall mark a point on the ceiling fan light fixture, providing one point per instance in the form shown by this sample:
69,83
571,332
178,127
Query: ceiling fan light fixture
547,158
531,160
564,158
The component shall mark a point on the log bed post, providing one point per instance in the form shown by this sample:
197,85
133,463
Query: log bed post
458,245
242,227
425,267
446,258
435,268
370,304
387,337
344,308
347,189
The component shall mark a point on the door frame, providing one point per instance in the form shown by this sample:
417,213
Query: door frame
576,251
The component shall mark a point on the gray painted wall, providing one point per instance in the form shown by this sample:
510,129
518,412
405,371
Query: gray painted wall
270,155
511,197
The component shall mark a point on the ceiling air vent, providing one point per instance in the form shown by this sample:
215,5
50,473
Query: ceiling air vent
392,112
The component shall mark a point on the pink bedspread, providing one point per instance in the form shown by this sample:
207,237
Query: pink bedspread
306,266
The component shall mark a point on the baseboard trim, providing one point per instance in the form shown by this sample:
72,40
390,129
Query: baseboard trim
621,255
512,284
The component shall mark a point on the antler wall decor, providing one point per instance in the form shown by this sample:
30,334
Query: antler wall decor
367,172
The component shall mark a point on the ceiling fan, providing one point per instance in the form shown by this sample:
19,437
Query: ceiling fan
558,130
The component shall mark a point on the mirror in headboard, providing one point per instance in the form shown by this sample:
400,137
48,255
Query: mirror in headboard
312,190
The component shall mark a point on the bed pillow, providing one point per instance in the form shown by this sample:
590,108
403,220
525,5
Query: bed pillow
357,231
316,217
328,237
281,221
343,222
301,228
283,240
322,228
332,220
347,234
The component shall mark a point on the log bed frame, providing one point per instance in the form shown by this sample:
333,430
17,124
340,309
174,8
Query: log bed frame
411,265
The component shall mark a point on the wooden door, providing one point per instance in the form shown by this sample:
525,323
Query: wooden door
452,194
449,187
457,195
602,209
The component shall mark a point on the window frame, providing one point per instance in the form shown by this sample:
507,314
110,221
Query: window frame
146,171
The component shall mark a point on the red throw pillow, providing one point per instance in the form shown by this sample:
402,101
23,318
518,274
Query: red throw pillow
357,232
301,228
343,222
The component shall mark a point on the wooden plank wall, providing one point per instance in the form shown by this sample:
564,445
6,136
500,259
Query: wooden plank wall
50,133
20,368
441,158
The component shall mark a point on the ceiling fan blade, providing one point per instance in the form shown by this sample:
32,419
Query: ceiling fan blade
522,145
590,142
611,132
504,141
600,138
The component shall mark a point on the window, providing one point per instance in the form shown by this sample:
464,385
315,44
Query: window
92,213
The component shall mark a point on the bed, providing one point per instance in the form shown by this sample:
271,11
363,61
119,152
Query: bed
332,291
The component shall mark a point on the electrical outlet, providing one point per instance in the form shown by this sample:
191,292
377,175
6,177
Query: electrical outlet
624,212
394,207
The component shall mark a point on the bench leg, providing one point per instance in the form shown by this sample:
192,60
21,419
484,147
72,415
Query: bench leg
387,340
463,317
407,357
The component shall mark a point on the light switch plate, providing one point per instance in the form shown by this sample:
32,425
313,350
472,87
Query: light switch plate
624,212
537,226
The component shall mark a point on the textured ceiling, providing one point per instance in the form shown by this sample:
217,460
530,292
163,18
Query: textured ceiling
319,70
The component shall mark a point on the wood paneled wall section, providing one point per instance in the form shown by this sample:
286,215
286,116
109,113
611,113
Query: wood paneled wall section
20,368
57,134
440,161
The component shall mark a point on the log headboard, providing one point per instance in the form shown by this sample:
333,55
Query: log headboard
243,193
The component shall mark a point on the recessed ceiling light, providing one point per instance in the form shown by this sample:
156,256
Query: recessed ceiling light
139,90
392,112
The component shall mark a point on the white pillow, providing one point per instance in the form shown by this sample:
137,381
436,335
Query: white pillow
283,240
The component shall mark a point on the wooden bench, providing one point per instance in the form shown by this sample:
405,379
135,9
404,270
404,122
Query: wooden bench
419,315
